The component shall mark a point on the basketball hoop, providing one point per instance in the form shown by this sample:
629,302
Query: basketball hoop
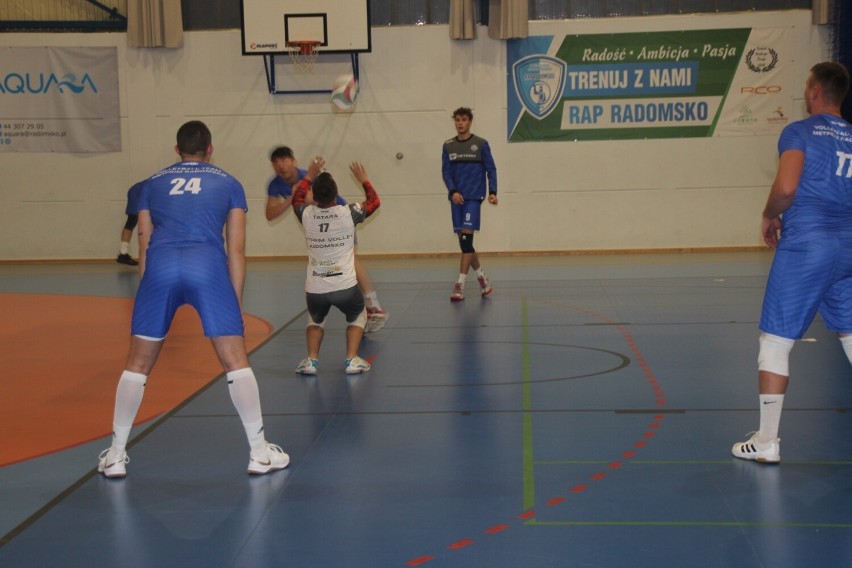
303,54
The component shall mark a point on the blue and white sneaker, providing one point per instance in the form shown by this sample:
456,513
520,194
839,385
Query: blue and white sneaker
307,366
356,365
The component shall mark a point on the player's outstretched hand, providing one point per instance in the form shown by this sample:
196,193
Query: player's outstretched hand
317,165
357,169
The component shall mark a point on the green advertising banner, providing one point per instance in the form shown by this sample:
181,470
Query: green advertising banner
672,84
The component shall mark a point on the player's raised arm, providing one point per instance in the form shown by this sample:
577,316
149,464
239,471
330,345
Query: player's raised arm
372,202
301,191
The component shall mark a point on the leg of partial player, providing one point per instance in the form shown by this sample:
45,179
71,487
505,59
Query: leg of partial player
773,377
376,315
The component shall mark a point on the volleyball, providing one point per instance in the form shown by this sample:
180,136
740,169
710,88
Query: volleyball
344,92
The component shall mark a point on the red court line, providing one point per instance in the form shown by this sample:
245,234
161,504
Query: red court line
599,476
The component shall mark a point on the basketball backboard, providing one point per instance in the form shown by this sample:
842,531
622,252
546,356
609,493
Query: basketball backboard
341,26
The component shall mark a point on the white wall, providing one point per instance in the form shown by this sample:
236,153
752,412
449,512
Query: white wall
553,196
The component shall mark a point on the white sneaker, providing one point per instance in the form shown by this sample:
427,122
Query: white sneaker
376,319
112,467
458,293
356,365
307,366
276,459
751,449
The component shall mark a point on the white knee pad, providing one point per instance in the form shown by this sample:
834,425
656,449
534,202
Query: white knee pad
312,322
361,320
774,355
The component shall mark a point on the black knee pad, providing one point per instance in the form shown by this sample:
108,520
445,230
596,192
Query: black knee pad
466,242
130,224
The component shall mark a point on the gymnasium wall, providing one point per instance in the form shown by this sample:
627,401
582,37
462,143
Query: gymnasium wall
576,196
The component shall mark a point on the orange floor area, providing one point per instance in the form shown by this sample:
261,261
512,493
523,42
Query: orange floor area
84,341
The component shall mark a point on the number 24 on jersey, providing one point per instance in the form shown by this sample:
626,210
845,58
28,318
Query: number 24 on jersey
182,185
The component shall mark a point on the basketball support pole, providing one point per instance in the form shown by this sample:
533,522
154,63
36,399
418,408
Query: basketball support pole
269,67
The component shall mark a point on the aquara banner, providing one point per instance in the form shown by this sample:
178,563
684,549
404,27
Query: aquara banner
59,99
670,84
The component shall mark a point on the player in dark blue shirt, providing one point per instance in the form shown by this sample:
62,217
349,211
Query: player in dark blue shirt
812,268
470,176
184,259
131,209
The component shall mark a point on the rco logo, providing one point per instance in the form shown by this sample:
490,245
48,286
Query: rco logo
761,90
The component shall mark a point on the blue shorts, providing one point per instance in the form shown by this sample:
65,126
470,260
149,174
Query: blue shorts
194,275
807,278
466,215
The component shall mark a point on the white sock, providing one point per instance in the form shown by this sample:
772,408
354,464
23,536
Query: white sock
462,279
128,397
846,342
242,385
480,272
124,248
770,416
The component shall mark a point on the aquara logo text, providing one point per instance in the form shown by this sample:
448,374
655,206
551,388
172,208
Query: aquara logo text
45,83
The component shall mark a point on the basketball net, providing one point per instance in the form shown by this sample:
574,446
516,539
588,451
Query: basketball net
303,54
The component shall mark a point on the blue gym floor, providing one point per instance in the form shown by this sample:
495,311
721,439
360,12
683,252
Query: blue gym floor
581,416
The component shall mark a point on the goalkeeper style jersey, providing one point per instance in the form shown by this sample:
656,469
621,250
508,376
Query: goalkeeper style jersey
467,167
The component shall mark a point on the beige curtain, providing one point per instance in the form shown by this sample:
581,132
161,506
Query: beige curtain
508,19
154,23
462,19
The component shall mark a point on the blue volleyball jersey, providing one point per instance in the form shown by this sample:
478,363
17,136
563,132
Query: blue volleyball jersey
189,203
132,207
812,268
280,188
823,203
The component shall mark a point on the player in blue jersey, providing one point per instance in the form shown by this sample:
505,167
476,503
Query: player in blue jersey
279,197
808,218
184,259
470,175
131,210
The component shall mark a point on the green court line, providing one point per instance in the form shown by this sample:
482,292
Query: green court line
734,524
686,462
527,424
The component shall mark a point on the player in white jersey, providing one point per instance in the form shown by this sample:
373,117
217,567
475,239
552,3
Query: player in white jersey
331,280
812,268
183,259
279,197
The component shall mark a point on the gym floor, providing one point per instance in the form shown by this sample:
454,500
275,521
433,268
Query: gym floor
582,415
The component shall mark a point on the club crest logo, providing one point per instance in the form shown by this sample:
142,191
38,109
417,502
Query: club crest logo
539,82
